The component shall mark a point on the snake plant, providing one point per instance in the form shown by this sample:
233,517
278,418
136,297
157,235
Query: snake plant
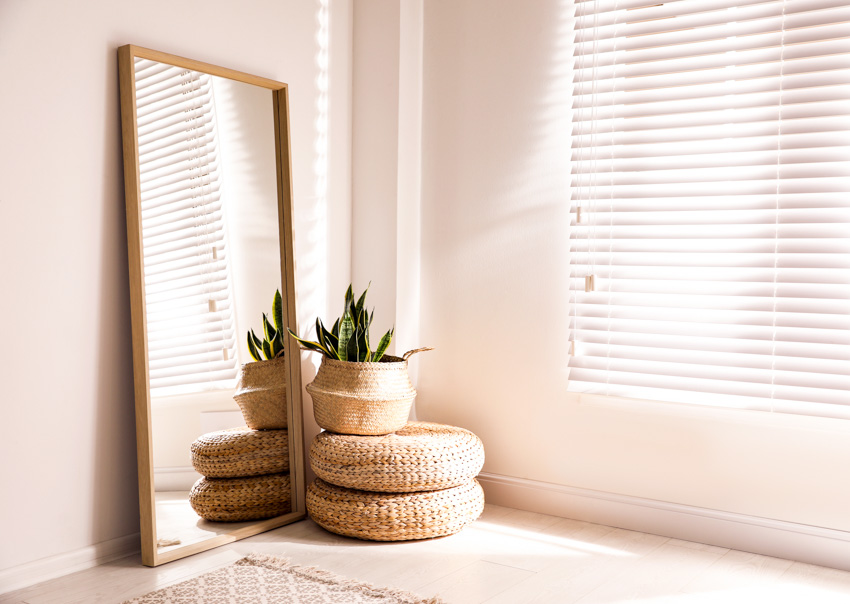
271,346
348,340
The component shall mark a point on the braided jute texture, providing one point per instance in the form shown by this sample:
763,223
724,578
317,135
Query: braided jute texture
241,452
362,398
261,394
394,516
420,457
237,499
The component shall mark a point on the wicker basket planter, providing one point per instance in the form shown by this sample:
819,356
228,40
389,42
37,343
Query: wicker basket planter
241,452
261,394
394,516
362,398
239,499
420,457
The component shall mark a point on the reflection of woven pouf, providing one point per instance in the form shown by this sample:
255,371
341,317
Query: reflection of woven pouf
241,452
237,499
420,457
394,516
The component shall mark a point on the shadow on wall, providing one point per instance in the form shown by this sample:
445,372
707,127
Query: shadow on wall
312,243
114,429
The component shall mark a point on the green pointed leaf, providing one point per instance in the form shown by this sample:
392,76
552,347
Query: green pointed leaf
351,305
335,329
252,349
383,345
268,330
257,341
310,345
362,347
346,330
267,350
353,348
329,336
362,300
280,344
320,334
276,345
277,311
331,341
349,299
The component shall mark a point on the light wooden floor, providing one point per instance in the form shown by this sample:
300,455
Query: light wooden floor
506,557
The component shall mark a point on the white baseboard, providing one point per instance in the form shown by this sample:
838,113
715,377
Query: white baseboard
25,575
174,479
780,539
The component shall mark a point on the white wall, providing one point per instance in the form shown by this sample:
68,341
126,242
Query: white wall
494,266
386,164
374,158
67,437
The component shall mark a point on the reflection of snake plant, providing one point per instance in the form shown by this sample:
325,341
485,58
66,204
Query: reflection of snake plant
271,346
349,338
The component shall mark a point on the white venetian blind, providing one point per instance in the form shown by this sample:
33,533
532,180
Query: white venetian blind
710,203
191,343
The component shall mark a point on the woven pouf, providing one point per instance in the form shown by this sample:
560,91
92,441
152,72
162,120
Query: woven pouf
237,499
241,452
394,516
420,457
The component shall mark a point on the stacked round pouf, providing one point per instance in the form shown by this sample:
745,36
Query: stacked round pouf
416,483
245,475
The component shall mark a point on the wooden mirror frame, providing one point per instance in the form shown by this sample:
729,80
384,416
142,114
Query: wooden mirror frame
147,508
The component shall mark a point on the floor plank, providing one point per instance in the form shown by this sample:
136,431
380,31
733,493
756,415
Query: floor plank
739,573
506,557
475,583
657,575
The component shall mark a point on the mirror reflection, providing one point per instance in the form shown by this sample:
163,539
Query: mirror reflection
211,251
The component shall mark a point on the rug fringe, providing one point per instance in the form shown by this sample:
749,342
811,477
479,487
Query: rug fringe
318,574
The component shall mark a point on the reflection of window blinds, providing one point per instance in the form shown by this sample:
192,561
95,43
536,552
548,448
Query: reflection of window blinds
711,202
189,310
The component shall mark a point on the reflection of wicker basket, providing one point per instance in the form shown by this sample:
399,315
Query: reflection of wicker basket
362,398
237,499
394,516
420,457
241,452
261,394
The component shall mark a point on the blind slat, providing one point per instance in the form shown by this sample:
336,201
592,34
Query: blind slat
187,290
710,203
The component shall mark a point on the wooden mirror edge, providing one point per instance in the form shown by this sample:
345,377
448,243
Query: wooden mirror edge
287,262
132,192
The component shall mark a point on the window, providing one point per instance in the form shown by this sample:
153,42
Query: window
710,203
191,343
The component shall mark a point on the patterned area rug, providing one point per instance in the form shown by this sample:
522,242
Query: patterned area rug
264,579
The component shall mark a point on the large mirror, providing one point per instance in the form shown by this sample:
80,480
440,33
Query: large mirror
208,191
